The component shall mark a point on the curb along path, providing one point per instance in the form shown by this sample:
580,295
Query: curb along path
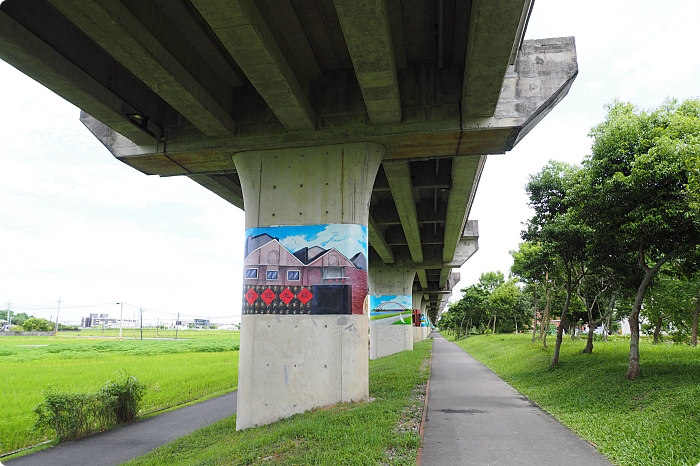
476,418
122,444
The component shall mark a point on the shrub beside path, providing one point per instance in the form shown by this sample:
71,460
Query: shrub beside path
122,444
476,418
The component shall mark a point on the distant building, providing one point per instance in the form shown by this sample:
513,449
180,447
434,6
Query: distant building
201,323
103,320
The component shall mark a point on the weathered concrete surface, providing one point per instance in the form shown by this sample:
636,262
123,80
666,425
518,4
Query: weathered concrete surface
385,340
289,364
292,363
476,418
418,334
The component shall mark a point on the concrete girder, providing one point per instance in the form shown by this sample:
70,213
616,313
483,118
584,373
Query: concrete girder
365,25
140,48
541,77
222,186
377,241
247,32
495,32
466,248
22,49
398,175
466,172
422,278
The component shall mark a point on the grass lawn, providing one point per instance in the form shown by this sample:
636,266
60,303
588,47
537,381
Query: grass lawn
382,431
654,420
175,372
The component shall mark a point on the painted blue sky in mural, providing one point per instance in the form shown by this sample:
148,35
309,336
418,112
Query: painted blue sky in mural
348,239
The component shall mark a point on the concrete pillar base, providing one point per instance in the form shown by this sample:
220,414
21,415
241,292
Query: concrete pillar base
417,334
389,339
290,364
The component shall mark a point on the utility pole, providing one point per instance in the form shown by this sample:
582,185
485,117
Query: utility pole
157,325
141,311
177,324
9,313
121,318
55,330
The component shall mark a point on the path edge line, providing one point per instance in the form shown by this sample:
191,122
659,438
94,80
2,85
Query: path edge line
419,453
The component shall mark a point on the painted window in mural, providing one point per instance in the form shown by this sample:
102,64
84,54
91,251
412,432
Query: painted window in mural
316,269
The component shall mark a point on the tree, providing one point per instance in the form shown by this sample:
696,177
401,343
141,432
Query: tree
532,263
17,319
636,194
37,324
502,302
557,227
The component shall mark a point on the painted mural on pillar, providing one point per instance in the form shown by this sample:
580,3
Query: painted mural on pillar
391,309
305,269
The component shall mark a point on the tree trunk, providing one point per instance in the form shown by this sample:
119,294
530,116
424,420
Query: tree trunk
545,324
657,329
633,370
694,335
589,342
494,324
534,318
545,317
562,322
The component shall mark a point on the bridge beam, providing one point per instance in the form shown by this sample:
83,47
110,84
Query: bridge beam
137,39
399,176
28,53
496,31
304,323
247,32
368,36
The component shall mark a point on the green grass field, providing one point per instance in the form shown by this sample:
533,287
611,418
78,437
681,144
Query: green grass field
382,431
654,420
197,365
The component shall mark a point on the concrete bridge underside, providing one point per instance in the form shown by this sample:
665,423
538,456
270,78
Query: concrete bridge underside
410,96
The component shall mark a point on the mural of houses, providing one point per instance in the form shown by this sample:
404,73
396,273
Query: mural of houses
311,280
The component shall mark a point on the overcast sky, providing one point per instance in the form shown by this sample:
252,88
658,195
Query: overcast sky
78,225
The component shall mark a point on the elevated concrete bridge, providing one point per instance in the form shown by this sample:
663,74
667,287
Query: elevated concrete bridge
355,121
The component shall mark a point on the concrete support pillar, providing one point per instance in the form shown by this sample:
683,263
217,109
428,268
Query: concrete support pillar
391,310
304,323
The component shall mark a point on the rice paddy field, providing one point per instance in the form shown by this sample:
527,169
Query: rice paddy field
198,365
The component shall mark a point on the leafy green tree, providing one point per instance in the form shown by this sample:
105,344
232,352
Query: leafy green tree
532,264
636,195
17,319
37,324
557,228
502,300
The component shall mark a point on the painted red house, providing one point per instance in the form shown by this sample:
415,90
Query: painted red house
277,281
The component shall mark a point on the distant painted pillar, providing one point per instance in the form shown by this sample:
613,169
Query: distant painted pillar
391,310
304,325
418,314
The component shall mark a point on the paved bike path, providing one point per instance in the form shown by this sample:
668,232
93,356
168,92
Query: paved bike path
475,418
119,445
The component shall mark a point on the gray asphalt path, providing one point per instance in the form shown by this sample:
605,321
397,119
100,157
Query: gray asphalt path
475,418
116,446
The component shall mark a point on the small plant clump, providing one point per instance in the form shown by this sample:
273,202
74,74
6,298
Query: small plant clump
75,415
